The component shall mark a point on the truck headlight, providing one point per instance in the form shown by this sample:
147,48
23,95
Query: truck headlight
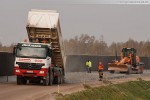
41,72
18,71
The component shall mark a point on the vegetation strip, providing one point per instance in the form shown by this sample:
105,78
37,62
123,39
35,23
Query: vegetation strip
133,90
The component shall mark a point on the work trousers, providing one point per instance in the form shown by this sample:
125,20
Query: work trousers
88,69
100,73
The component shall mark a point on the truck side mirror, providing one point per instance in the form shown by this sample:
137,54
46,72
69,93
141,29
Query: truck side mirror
14,50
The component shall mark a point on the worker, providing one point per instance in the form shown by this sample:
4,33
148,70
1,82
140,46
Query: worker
88,66
100,70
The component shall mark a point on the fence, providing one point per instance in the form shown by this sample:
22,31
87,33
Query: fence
6,64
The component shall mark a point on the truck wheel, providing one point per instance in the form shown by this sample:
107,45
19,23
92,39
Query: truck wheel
57,80
46,80
19,80
51,78
38,82
61,78
24,81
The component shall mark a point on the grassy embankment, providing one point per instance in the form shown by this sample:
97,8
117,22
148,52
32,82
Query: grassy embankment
133,90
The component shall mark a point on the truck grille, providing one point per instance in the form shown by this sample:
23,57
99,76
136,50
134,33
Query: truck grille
30,66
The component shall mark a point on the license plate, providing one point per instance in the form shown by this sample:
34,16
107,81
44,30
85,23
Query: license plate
29,71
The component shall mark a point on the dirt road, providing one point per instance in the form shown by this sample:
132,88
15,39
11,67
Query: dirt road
74,82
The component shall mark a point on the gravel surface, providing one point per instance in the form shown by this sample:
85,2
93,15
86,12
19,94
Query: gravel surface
81,77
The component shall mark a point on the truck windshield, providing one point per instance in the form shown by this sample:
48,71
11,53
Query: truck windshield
31,52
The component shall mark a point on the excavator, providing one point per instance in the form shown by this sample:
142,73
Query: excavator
129,62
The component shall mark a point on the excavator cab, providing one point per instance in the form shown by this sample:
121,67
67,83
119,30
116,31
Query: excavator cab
131,54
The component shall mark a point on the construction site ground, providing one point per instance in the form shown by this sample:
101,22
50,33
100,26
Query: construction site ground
73,82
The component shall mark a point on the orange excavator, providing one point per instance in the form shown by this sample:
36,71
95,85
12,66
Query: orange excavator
129,62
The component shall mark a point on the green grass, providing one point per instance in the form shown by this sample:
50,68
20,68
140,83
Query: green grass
133,90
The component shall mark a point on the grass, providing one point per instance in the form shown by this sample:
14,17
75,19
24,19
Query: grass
133,90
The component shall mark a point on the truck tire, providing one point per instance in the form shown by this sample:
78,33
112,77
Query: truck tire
57,80
51,78
19,80
24,81
46,80
61,77
38,82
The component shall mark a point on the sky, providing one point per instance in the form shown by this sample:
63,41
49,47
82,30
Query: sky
116,22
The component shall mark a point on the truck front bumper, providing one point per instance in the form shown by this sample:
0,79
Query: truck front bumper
32,73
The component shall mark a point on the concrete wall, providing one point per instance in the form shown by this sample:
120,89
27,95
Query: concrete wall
6,64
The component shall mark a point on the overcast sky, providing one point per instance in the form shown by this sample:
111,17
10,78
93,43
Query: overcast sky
116,22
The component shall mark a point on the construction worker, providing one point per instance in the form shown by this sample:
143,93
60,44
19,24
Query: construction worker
88,65
100,70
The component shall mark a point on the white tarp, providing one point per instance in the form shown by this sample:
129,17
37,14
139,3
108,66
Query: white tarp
42,18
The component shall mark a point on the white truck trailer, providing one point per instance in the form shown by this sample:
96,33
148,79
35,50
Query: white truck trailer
41,59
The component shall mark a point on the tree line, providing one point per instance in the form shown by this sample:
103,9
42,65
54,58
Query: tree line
4,48
89,45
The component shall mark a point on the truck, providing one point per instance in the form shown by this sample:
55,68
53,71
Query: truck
42,59
129,62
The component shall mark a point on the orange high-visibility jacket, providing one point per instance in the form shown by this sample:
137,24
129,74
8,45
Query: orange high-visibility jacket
100,67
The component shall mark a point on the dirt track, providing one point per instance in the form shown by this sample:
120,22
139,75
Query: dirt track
74,82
